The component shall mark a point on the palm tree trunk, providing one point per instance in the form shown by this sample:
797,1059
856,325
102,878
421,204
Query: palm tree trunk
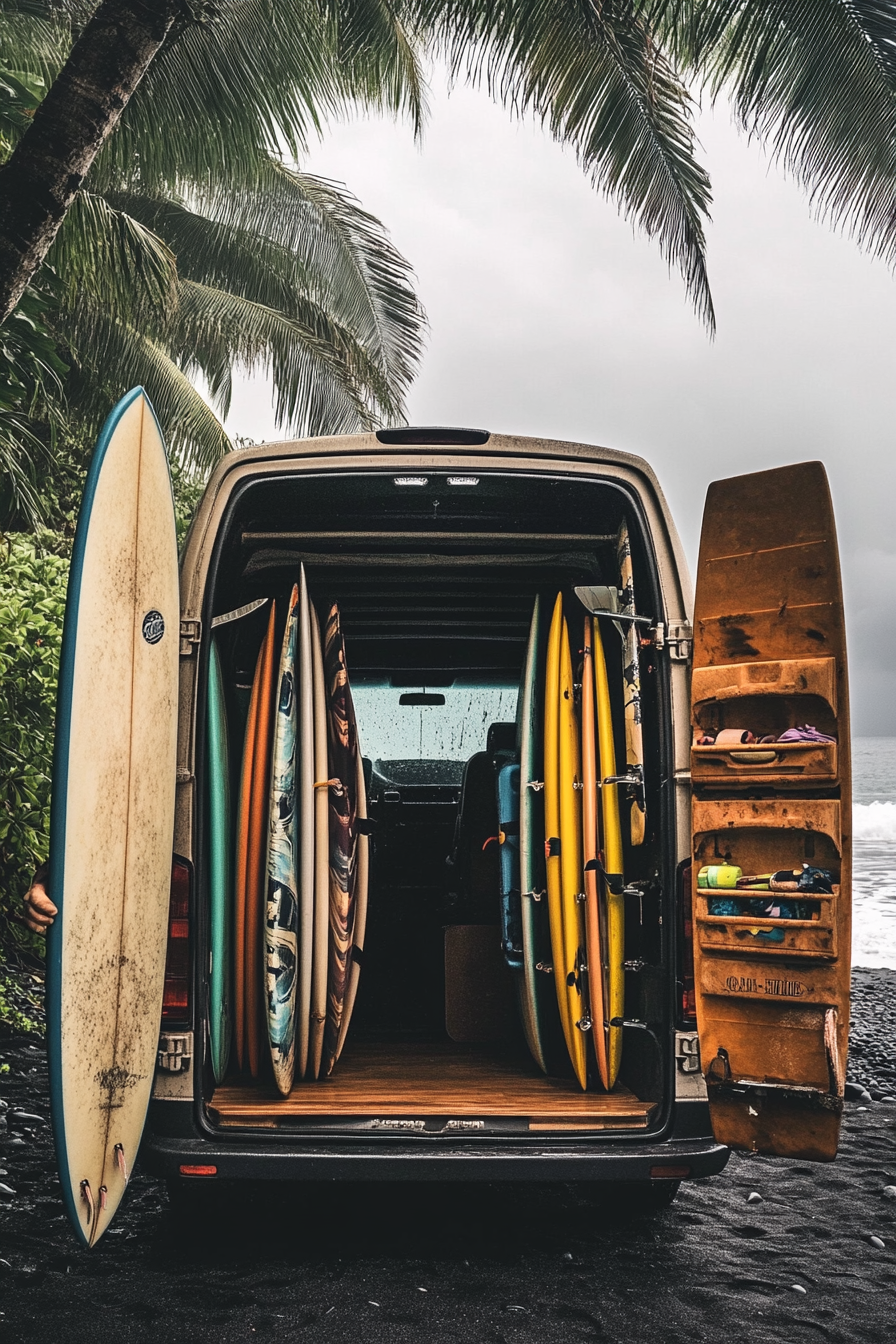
42,177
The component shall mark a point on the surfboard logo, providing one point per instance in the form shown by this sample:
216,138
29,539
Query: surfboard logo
153,627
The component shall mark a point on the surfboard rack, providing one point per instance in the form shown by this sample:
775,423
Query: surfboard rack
632,782
598,600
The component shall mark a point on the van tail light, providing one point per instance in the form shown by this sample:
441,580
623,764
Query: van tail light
176,1003
685,977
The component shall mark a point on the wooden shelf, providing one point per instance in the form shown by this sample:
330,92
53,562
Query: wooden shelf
406,1081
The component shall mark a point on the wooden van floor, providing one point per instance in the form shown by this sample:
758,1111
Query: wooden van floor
441,1080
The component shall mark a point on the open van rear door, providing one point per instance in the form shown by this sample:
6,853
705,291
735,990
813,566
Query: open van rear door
772,967
112,814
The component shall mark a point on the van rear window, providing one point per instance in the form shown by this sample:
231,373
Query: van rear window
406,723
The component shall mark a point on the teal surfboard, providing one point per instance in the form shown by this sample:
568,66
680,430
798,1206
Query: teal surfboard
538,1000
220,866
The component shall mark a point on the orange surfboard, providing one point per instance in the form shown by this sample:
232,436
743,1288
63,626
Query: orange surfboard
251,857
242,849
590,810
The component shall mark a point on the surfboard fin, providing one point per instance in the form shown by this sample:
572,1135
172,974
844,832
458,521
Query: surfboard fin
87,1196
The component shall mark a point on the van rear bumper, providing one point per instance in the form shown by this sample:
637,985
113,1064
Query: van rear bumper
164,1157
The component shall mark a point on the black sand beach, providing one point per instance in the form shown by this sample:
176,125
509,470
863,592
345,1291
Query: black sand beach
504,1265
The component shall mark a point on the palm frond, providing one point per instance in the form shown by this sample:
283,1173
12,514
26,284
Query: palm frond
347,261
264,74
323,382
305,248
814,81
34,37
108,254
378,53
31,405
595,76
113,355
25,457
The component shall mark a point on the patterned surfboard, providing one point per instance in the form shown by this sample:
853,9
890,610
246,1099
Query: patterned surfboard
281,907
631,681
343,815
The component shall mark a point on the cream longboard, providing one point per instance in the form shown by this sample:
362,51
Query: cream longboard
112,814
318,1016
306,795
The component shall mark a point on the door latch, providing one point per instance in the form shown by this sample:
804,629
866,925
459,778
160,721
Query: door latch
190,635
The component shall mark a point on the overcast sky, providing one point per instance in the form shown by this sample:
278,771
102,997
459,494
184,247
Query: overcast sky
549,316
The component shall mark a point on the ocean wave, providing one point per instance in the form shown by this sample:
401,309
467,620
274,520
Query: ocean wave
874,821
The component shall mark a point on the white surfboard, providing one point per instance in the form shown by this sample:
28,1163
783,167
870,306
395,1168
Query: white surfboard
321,856
306,795
113,814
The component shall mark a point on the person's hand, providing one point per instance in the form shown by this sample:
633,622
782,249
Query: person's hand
39,909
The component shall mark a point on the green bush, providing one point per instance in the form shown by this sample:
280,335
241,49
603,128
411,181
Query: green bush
32,604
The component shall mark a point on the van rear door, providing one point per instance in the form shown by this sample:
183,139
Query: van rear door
772,966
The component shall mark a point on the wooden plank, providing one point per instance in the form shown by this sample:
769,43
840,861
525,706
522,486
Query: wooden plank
435,1080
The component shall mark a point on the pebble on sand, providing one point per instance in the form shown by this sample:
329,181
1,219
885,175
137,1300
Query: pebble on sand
754,1197
878,1242
797,1288
888,1192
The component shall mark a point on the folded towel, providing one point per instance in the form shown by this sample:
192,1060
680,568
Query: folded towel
805,734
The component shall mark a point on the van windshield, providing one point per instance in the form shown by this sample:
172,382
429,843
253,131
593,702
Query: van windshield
428,723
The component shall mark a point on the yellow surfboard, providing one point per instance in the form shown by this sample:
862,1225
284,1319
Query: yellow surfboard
552,813
612,860
571,866
595,921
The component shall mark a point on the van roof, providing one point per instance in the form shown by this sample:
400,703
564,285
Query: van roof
385,442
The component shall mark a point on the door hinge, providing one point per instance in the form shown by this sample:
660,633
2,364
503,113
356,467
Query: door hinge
679,640
175,1052
190,635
